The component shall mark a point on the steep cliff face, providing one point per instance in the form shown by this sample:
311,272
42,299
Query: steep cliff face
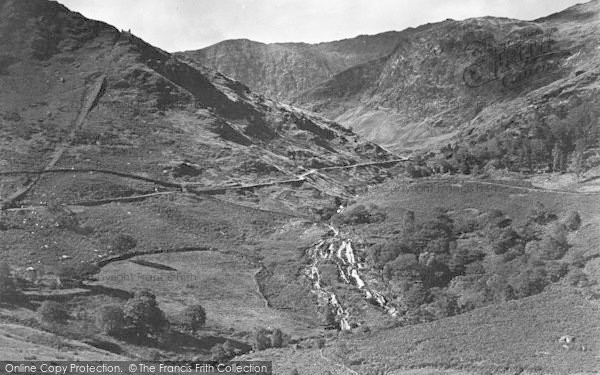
285,70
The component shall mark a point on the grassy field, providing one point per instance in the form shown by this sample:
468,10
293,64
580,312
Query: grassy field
223,284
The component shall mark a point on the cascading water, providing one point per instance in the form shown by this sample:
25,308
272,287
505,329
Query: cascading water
340,250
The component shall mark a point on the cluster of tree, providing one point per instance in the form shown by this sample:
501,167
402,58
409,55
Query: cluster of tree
141,317
264,338
442,266
555,142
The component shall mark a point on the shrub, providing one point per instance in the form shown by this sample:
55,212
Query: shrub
110,319
194,318
123,243
52,312
143,316
541,215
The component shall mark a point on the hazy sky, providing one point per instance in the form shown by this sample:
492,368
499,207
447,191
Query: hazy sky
177,25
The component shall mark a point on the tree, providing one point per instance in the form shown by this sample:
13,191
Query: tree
194,317
8,291
143,316
110,319
52,312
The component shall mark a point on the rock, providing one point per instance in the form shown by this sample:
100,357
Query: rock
566,339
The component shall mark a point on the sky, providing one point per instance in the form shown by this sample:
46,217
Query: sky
178,25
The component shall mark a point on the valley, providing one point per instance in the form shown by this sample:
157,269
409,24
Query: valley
374,218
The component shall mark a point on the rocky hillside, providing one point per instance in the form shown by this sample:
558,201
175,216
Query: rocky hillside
442,76
285,70
454,80
81,94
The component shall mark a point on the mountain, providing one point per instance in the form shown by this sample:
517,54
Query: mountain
80,94
448,81
112,149
285,70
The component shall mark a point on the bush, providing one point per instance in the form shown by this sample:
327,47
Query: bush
143,316
123,243
194,318
52,312
110,319
541,215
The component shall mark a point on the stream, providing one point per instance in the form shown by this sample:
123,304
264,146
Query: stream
339,249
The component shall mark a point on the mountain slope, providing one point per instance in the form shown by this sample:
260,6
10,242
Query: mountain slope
80,94
443,75
284,70
447,81
107,140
